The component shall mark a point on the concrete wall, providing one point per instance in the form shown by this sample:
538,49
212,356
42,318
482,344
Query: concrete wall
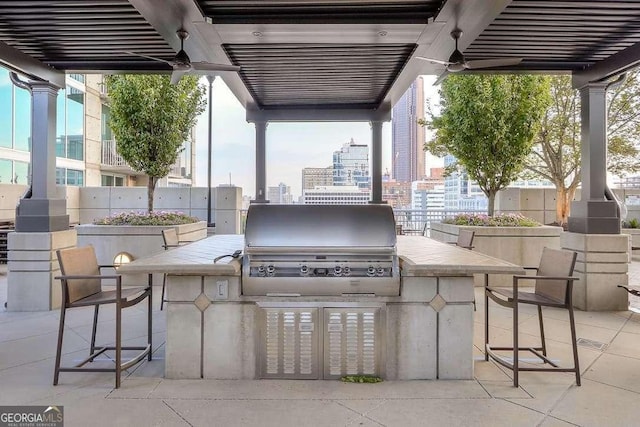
84,204
540,203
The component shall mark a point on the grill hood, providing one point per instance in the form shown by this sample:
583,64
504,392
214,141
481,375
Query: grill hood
319,227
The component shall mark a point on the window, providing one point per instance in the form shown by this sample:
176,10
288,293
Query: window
112,181
75,177
106,130
6,110
6,171
77,77
69,177
75,123
20,173
22,120
70,124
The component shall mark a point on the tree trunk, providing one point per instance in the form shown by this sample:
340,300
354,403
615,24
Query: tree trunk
564,196
151,186
492,200
562,205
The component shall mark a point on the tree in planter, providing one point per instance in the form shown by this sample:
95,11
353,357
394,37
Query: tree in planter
488,123
151,119
556,153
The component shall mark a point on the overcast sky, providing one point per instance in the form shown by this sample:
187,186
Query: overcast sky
290,147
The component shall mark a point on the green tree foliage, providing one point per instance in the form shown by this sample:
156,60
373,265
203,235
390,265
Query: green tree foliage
151,119
556,153
488,123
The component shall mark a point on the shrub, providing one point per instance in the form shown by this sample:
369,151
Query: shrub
500,220
146,218
632,223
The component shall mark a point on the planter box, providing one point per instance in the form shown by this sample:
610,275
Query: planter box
634,240
138,240
518,245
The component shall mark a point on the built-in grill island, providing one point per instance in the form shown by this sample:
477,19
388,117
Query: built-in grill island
319,292
320,251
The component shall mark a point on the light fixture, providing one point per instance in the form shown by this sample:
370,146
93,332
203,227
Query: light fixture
382,33
122,258
257,34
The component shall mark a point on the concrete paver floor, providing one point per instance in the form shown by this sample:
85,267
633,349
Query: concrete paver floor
609,394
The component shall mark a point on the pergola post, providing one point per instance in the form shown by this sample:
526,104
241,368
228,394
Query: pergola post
376,161
261,161
42,223
594,225
593,214
42,210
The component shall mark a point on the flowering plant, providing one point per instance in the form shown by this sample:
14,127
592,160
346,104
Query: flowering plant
146,218
500,220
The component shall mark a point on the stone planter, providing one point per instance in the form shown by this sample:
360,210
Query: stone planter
518,245
634,240
138,240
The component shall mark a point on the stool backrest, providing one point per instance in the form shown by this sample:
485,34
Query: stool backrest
79,262
465,239
170,237
555,262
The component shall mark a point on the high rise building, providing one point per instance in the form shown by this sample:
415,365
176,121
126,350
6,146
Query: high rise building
460,192
336,195
317,177
426,195
85,149
351,165
396,194
280,195
407,137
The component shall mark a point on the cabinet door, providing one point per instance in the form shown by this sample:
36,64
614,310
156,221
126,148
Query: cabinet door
352,341
289,343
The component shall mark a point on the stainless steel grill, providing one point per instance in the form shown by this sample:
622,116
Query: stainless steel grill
323,250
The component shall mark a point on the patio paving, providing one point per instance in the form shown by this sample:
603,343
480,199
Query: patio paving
609,395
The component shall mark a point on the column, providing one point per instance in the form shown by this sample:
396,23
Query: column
593,214
261,168
376,162
42,211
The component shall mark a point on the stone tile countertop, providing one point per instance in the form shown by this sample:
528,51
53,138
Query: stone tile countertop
419,256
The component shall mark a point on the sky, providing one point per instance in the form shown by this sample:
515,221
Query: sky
290,147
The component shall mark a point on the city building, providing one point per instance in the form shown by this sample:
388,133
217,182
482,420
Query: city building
336,195
280,194
317,177
85,148
351,165
460,192
407,137
396,194
427,195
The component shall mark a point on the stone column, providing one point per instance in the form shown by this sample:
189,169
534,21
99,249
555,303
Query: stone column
261,160
593,214
227,210
376,162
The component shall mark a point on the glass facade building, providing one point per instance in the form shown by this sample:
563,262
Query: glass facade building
407,137
351,165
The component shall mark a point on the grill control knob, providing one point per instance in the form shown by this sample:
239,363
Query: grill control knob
346,271
304,270
271,270
380,271
337,270
371,271
261,271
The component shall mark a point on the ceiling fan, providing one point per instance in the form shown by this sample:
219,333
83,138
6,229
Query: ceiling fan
457,61
181,63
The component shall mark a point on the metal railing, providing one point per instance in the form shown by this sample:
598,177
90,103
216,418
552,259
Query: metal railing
418,221
410,221
110,157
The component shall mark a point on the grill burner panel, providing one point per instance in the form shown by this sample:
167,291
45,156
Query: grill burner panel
313,250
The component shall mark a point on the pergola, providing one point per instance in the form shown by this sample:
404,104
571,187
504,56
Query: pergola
319,60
